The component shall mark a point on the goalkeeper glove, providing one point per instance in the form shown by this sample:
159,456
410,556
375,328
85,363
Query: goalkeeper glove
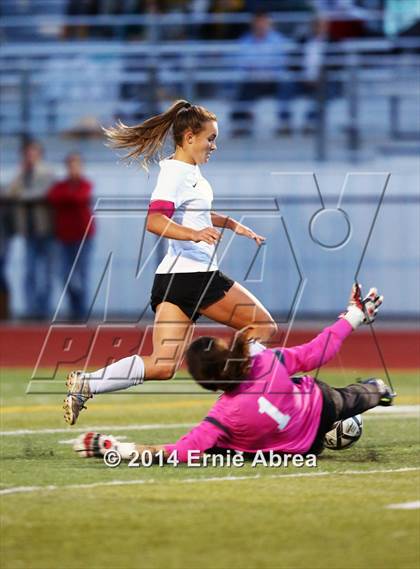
96,445
362,311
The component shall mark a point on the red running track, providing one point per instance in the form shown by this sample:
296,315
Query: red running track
75,346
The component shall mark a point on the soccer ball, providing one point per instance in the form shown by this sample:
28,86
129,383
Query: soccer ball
344,433
93,444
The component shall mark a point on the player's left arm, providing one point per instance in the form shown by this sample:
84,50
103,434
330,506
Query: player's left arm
326,345
219,220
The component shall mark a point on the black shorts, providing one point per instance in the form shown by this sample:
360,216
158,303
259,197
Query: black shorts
339,403
190,291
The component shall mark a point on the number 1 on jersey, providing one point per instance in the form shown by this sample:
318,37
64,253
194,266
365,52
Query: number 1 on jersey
264,406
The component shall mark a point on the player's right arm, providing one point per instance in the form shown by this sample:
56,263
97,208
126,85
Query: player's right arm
213,431
207,434
160,224
204,436
166,197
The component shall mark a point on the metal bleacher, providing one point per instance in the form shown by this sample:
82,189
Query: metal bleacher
62,91
49,86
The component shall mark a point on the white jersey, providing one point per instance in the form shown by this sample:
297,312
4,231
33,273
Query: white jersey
183,185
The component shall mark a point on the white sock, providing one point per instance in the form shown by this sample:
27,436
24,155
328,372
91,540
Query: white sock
120,375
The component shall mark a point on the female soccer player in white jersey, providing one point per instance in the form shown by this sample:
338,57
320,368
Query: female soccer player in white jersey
187,283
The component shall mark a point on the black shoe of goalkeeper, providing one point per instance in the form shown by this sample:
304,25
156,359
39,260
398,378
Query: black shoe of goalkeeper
388,395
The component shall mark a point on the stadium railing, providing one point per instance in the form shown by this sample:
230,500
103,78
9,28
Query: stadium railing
47,87
47,20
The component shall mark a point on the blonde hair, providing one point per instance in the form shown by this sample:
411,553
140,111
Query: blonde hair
145,140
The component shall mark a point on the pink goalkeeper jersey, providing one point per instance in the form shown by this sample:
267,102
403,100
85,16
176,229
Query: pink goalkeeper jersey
269,410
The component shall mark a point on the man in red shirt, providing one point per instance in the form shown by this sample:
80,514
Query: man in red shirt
74,230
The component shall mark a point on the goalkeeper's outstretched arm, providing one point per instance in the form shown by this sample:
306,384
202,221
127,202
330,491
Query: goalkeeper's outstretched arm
327,344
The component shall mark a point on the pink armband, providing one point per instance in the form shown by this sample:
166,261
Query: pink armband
163,207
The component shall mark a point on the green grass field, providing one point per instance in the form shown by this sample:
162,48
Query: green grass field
60,511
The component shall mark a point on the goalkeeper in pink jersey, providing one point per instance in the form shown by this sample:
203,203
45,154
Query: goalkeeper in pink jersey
264,406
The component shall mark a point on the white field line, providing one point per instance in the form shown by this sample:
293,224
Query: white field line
405,506
396,410
72,441
383,412
31,489
97,429
150,427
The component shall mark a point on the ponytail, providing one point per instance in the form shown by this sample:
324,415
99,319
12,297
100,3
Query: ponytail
145,140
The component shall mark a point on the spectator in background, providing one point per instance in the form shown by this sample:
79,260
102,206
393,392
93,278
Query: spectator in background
33,221
6,232
313,61
224,30
74,229
81,8
262,58
346,18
